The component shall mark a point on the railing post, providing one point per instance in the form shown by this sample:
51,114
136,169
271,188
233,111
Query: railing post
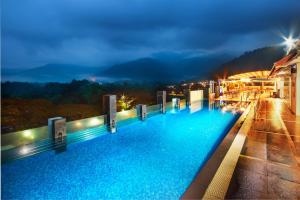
141,110
161,100
176,103
110,110
58,132
57,129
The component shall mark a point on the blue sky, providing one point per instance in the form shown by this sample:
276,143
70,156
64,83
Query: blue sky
100,33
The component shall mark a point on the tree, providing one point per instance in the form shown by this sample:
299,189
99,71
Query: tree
125,102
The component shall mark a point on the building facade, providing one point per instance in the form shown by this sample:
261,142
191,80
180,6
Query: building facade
287,74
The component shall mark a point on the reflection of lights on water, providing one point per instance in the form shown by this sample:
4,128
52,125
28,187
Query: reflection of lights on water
94,122
174,101
88,137
173,111
277,106
24,150
224,109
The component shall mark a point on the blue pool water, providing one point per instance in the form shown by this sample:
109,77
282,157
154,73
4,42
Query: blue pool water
155,159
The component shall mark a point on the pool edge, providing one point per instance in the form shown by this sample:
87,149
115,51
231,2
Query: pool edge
204,177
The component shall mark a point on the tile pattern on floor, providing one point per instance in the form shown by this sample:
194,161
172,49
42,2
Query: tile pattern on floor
267,167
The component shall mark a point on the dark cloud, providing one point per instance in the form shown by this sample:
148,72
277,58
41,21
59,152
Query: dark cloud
98,32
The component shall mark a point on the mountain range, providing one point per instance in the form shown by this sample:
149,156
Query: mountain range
49,73
167,69
258,59
163,67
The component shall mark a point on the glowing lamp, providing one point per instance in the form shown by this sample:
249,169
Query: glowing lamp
289,42
94,122
245,80
24,150
28,134
78,124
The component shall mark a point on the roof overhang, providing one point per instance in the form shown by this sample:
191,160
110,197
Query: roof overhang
283,66
251,75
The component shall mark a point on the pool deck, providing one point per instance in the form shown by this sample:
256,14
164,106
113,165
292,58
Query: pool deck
269,165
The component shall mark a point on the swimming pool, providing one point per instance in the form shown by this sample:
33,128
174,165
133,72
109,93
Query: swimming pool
154,159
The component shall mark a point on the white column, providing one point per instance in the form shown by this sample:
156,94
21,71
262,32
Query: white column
281,88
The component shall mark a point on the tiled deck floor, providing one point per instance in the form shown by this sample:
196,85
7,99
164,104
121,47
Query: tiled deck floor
269,166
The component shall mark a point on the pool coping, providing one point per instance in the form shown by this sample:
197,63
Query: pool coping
208,177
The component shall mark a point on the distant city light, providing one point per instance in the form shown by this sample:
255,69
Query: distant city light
92,78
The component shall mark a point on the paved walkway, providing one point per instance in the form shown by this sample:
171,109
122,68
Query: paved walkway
269,165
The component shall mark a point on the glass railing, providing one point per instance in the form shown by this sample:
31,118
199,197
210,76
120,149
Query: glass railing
12,140
20,138
126,117
32,141
77,125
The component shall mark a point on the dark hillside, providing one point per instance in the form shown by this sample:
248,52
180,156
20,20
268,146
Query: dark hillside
258,59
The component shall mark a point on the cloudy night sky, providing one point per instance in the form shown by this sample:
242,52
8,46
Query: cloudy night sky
99,33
